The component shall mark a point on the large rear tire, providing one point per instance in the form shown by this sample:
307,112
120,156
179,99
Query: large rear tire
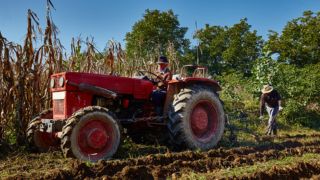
40,141
90,134
196,119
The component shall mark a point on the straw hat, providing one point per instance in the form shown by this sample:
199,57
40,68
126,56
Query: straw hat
266,89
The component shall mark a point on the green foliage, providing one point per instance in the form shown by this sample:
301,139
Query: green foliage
229,48
264,69
301,93
298,83
153,34
299,42
297,86
238,92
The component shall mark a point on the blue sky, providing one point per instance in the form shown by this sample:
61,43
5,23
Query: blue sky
106,19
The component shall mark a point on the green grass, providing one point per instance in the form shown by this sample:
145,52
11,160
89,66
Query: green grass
27,164
287,161
194,176
259,167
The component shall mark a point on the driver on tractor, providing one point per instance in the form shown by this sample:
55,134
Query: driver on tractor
158,95
163,70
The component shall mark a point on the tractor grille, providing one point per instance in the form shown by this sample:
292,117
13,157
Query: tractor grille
58,106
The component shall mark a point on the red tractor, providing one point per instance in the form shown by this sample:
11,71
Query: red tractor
91,111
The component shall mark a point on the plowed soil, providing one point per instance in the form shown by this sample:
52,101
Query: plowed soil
173,165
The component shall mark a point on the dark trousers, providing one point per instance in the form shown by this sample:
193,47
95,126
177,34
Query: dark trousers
158,97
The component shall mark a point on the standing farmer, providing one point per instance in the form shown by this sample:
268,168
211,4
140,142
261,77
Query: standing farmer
271,100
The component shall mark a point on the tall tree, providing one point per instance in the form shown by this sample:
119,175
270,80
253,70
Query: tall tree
154,33
229,48
299,43
212,44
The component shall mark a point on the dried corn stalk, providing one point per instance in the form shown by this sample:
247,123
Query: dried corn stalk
25,70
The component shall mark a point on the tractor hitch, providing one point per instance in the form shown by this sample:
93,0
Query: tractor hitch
51,126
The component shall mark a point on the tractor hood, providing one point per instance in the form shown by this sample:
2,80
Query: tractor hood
138,88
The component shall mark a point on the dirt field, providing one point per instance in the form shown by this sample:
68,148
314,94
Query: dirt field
285,157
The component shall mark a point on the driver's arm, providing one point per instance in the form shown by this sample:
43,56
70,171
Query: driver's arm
167,76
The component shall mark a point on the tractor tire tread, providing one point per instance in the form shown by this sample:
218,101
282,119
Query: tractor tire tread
71,123
179,137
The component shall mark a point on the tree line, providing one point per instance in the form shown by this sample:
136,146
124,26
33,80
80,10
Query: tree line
225,48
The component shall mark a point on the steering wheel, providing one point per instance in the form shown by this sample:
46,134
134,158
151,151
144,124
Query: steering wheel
154,81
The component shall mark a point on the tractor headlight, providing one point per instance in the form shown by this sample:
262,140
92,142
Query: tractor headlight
52,83
61,81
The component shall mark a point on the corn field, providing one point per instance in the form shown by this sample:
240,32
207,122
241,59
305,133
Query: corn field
25,70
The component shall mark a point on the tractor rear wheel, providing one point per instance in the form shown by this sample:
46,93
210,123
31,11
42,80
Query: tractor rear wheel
196,119
90,134
37,140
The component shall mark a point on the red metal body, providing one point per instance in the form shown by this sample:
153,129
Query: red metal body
68,99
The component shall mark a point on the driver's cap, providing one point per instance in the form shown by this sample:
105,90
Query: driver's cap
163,60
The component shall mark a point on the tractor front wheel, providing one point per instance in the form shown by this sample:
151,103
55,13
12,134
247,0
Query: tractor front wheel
196,119
37,140
90,134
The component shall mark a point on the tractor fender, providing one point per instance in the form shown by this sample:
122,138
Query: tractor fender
203,81
174,87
